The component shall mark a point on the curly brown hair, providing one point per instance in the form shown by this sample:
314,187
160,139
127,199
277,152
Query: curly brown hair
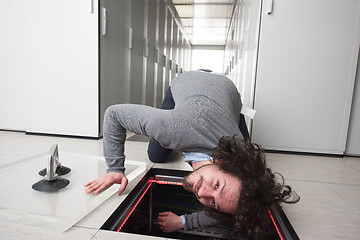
259,189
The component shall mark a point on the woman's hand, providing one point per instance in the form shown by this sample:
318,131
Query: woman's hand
106,181
169,222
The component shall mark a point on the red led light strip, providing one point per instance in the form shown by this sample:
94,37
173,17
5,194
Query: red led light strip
163,182
150,182
277,229
132,210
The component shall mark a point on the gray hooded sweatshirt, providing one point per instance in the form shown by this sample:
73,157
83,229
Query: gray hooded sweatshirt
207,107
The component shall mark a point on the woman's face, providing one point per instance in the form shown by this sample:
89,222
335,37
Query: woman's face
214,188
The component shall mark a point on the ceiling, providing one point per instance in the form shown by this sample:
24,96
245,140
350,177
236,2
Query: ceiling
205,22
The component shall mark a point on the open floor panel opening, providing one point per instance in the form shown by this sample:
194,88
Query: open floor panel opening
161,191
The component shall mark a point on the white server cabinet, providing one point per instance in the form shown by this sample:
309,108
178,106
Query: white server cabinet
305,75
151,60
161,24
168,49
139,51
241,50
12,66
174,49
353,140
62,45
115,54
70,50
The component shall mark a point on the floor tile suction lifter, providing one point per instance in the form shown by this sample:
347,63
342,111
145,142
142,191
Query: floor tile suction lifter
52,182
60,170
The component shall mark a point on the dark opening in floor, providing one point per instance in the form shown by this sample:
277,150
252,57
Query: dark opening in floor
161,191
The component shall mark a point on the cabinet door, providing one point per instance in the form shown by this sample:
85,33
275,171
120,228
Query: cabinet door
12,65
139,51
305,77
114,54
353,140
151,64
62,67
161,46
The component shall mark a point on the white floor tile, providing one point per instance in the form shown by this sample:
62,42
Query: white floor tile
314,168
9,135
353,162
29,145
11,231
92,147
323,213
329,188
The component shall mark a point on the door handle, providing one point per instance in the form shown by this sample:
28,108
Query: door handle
269,6
103,21
91,6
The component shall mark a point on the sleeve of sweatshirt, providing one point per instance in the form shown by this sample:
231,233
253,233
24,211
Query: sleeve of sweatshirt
198,220
152,122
